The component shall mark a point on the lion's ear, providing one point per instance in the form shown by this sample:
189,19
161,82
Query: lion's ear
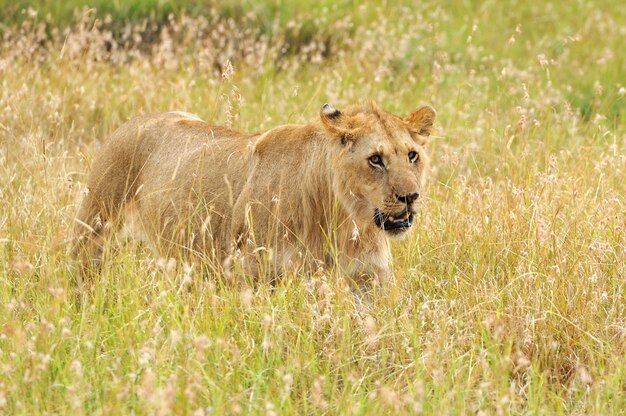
329,114
335,122
421,120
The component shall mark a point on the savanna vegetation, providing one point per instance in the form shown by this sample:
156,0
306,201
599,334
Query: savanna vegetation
508,298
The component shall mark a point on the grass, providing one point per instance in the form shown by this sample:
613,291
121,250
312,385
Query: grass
509,296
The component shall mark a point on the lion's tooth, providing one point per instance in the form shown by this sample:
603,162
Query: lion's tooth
392,219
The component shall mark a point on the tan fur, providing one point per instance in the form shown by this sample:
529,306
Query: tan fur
267,203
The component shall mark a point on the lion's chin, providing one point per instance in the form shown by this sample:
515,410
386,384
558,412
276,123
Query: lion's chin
394,225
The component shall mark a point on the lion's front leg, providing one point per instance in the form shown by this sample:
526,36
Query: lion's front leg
366,281
370,271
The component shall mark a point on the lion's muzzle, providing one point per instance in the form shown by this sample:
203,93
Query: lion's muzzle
396,223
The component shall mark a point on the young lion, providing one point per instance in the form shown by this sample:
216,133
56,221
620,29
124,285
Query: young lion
333,190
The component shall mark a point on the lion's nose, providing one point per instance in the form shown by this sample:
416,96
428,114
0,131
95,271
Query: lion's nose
408,198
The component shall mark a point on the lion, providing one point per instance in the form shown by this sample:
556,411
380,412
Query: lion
328,193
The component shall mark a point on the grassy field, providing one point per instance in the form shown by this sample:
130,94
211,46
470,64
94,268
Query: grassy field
509,297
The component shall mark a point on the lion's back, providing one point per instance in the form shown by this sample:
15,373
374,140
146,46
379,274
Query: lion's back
175,170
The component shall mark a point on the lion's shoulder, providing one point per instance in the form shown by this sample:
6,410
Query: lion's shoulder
285,139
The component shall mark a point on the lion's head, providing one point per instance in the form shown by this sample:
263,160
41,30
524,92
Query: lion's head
379,163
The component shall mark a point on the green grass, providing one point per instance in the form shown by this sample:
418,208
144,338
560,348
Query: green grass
508,298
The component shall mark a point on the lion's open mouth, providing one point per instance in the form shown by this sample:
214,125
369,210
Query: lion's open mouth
393,222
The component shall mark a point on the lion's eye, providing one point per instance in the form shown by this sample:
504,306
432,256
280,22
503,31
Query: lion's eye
413,156
376,161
